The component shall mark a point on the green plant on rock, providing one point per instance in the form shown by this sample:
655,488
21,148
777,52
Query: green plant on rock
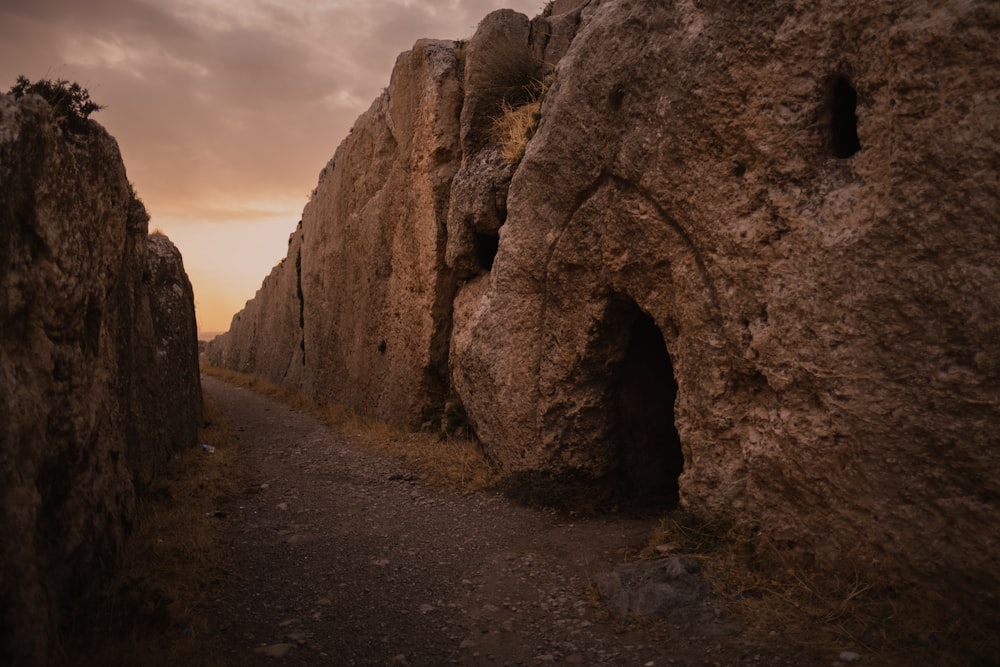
70,101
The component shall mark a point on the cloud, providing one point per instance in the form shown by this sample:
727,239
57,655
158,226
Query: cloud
227,108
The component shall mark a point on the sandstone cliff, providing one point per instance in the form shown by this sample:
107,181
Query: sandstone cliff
416,189
748,260
98,366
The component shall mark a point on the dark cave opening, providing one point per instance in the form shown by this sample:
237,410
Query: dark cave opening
645,390
844,119
487,246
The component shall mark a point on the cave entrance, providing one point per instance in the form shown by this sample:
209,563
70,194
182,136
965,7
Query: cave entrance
651,459
487,247
844,119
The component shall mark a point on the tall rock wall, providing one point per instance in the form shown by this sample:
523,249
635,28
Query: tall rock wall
267,337
747,263
98,366
376,327
793,211
359,311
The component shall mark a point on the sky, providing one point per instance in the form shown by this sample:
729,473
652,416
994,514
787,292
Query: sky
225,111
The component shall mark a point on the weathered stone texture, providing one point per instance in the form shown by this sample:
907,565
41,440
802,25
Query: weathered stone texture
748,259
165,400
831,320
98,366
267,337
359,311
377,300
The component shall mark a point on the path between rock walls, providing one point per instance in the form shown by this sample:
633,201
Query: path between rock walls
346,558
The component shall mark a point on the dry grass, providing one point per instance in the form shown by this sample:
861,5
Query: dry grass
443,460
154,611
503,73
515,127
773,591
504,70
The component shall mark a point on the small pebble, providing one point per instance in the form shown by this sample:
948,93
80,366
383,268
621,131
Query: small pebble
274,650
849,656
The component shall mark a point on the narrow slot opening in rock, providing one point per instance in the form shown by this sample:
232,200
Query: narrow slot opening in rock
651,456
487,246
844,119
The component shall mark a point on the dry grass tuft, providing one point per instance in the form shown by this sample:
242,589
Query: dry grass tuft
154,610
515,127
503,70
773,590
456,464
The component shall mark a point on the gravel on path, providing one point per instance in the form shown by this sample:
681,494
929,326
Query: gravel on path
346,558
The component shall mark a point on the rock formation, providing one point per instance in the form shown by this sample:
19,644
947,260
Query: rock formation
417,188
748,260
373,334
98,366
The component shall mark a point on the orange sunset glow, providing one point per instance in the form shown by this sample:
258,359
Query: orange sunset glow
226,110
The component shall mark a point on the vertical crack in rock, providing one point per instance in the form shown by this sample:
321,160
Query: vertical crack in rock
302,303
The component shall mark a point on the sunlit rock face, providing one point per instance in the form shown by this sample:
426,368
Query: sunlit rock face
98,366
801,201
266,338
359,311
747,263
376,290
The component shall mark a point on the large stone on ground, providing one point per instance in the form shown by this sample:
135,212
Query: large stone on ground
671,589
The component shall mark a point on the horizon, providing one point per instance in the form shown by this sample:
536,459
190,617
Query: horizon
225,112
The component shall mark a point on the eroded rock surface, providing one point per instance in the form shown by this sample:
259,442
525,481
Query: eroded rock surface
372,334
802,202
98,367
746,262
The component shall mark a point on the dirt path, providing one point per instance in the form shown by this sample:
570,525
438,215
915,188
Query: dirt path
347,559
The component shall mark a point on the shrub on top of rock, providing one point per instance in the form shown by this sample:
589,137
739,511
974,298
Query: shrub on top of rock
70,101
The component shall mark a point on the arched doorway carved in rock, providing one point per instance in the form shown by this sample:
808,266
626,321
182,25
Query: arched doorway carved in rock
619,270
643,392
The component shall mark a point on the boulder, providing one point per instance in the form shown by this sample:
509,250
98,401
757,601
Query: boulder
774,227
671,589
98,367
